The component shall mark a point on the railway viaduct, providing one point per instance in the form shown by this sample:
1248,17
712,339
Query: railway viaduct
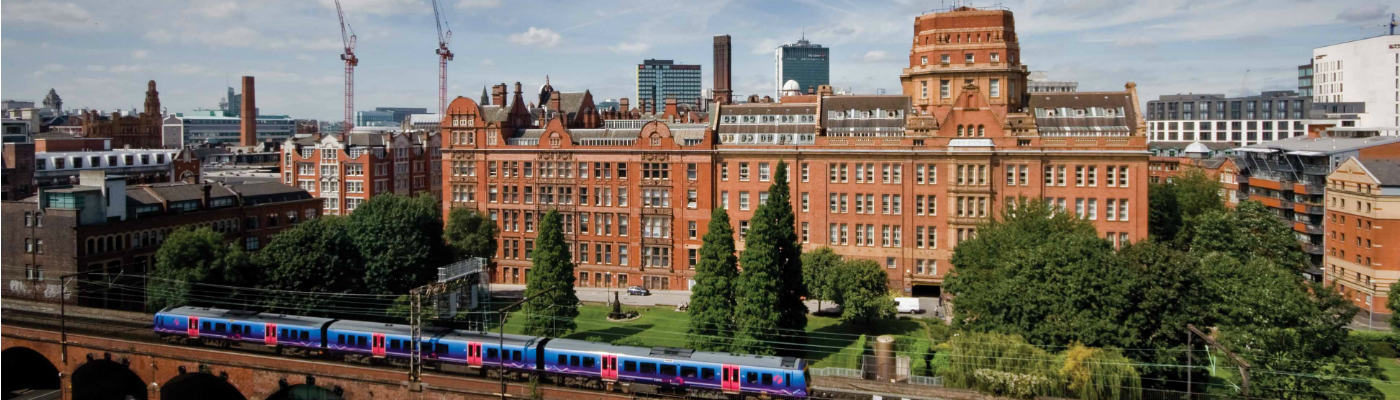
130,364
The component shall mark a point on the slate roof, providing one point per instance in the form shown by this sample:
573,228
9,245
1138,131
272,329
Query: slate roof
1070,124
1386,170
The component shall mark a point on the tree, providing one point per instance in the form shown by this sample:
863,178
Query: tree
1197,194
470,233
865,292
1043,274
1170,292
400,239
1163,213
1247,232
820,275
314,256
769,306
552,304
712,300
1392,303
198,257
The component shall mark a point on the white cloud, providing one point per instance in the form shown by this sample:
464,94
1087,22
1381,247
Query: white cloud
469,4
629,48
240,36
1373,13
875,56
216,10
543,37
49,68
67,16
139,54
380,7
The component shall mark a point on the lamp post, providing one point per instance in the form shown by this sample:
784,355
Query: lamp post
501,351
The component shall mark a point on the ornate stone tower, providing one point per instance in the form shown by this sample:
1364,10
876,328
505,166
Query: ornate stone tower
961,47
53,102
152,102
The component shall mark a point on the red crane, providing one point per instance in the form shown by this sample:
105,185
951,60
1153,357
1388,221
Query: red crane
347,37
444,32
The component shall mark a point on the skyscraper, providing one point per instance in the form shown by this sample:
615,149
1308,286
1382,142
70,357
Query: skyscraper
808,64
658,80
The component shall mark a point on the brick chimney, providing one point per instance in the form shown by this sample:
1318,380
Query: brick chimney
722,91
554,102
498,95
624,105
671,108
248,115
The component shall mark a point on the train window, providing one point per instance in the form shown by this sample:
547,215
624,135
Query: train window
629,366
563,359
588,362
393,344
707,374
220,327
282,333
305,336
361,340
440,348
237,329
767,379
515,355
751,377
339,339
204,325
648,368
491,354
787,379
573,360
668,370
689,372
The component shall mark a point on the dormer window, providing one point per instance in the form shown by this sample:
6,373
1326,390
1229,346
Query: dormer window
655,140
554,140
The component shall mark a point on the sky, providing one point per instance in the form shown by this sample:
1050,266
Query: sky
100,53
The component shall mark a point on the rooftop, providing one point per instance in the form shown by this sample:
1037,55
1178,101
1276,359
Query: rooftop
1319,146
1386,170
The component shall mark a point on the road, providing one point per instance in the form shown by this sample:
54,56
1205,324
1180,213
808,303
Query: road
674,298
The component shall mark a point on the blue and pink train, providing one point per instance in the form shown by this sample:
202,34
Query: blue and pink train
584,363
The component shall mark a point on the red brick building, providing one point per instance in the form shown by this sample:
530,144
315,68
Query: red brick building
898,179
137,132
1363,202
105,227
346,170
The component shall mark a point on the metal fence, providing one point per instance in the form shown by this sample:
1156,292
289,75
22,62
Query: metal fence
834,371
926,380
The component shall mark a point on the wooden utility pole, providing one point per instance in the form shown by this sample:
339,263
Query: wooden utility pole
1244,365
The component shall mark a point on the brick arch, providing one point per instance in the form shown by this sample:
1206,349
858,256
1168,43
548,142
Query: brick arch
106,379
200,385
27,369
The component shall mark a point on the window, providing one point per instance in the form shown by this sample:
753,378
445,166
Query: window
945,89
945,58
806,172
692,198
743,200
692,171
968,58
763,173
806,201
923,91
996,57
995,87
744,171
923,60
692,229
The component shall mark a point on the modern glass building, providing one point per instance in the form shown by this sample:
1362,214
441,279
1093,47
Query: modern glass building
658,80
808,64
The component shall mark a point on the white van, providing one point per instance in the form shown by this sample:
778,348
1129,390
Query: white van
907,305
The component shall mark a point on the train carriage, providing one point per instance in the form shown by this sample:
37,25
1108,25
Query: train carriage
272,330
674,368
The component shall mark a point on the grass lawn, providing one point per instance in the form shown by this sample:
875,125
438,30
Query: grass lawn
1392,371
830,343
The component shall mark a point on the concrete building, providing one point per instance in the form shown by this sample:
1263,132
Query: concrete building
1363,201
1290,176
1366,71
658,80
212,127
1240,121
1039,82
1305,79
386,116
804,62
62,166
345,171
106,227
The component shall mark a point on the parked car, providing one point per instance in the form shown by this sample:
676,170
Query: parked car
907,305
638,291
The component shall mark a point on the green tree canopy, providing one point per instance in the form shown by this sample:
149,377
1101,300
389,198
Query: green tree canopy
1197,193
317,256
1247,232
712,300
865,292
1163,213
192,257
1044,274
470,233
769,307
400,239
552,304
821,275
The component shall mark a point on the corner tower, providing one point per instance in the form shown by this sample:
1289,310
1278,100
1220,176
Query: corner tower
961,48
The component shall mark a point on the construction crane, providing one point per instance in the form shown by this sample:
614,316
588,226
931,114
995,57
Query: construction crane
347,37
444,32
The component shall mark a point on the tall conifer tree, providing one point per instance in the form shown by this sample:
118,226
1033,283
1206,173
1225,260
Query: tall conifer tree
771,315
550,312
712,300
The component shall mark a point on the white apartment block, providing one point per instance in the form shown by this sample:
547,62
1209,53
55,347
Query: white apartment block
1367,71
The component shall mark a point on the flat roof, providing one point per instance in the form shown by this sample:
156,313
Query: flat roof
1320,146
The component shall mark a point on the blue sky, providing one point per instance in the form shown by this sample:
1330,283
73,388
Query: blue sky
99,54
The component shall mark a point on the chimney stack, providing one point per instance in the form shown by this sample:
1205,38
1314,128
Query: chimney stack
671,108
248,115
498,95
624,105
722,91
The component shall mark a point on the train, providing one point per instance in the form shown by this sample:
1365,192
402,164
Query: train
569,362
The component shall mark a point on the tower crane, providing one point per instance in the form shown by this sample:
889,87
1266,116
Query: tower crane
444,32
347,37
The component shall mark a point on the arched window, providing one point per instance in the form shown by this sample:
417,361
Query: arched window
960,130
981,131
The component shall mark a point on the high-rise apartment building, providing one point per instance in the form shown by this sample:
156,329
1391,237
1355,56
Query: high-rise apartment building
804,62
1363,205
1367,71
871,176
658,80
1305,79
347,170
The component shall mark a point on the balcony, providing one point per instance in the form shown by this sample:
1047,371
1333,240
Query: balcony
1312,249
